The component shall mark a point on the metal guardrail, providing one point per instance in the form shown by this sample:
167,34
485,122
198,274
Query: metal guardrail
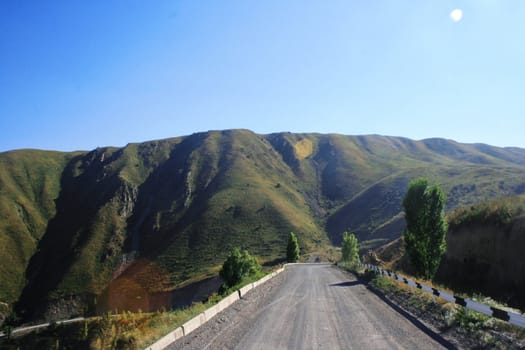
42,325
511,317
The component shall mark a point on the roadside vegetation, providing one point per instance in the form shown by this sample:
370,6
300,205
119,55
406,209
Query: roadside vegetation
292,250
484,256
426,227
118,332
130,330
500,212
239,269
471,328
349,252
424,244
350,249
462,327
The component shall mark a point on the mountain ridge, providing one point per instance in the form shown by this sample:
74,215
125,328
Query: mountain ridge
180,203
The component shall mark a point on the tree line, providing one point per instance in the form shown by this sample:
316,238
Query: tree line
423,237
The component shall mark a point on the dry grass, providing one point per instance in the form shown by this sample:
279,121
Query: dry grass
126,330
120,331
303,149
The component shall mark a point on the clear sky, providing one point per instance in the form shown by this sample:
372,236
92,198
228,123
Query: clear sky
80,74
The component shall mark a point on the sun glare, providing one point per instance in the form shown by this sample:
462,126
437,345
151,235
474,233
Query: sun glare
456,15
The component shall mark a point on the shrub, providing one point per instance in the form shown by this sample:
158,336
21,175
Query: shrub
470,320
238,266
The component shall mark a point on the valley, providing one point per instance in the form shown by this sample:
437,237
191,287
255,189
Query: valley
152,217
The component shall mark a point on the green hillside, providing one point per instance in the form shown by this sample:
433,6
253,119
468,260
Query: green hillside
29,184
152,216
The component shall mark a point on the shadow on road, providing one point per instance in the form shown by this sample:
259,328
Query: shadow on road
346,284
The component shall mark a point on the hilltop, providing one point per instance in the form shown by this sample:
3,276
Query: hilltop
152,216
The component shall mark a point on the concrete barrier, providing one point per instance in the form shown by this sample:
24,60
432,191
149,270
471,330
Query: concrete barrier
245,289
265,278
167,339
194,323
210,313
226,302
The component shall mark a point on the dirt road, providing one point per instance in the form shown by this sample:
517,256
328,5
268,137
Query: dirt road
311,307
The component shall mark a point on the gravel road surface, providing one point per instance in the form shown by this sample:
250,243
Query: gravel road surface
313,306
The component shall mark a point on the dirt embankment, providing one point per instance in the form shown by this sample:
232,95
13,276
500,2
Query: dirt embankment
487,259
481,257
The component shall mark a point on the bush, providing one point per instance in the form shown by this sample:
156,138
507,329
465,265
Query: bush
470,320
378,282
238,266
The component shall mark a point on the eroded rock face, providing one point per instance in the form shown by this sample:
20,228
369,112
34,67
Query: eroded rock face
489,259
127,197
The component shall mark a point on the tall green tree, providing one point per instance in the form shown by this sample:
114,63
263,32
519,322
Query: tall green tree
426,229
292,250
350,250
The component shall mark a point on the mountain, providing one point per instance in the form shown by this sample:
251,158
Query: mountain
79,227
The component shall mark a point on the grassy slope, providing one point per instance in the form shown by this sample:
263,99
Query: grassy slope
467,175
183,203
83,242
29,184
236,191
188,200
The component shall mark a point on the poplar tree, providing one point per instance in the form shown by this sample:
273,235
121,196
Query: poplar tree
292,250
425,233
350,250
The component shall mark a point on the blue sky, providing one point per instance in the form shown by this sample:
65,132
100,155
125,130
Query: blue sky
85,74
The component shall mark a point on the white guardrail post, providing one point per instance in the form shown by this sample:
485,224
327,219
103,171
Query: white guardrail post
511,317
